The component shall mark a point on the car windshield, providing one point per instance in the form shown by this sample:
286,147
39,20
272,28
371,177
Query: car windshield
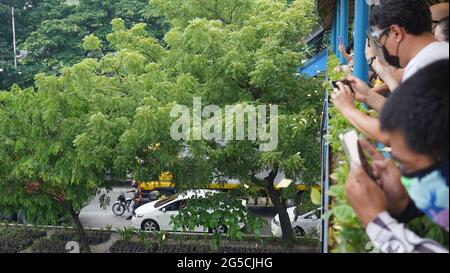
166,200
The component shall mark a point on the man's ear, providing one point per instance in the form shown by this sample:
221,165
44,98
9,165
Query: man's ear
398,32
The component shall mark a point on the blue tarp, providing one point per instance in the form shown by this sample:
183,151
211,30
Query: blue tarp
316,65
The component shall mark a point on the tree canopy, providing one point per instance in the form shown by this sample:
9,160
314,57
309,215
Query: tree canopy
52,31
109,114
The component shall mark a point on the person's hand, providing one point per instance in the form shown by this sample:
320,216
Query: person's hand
389,180
385,71
342,48
347,69
364,195
342,97
360,87
337,69
370,51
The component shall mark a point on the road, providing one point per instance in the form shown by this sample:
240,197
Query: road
95,217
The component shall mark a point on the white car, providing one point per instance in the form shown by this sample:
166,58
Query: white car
305,223
156,216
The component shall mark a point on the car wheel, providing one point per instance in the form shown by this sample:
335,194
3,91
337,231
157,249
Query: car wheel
298,232
149,225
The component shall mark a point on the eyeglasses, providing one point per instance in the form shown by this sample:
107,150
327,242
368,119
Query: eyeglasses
375,36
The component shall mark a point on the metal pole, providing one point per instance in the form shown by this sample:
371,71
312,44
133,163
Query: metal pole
325,169
334,33
14,38
361,24
344,7
338,24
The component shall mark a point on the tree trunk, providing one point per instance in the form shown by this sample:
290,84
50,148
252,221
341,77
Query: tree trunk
80,229
281,209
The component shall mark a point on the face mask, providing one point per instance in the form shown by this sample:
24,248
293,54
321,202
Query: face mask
428,189
390,59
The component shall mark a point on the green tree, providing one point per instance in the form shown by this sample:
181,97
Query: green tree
248,52
65,139
109,115
251,60
52,32
28,16
59,142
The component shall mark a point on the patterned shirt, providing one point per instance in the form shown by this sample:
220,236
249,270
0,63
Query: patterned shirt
390,236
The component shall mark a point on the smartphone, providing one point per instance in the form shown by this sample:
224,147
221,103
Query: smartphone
355,153
346,82
340,40
334,84
365,163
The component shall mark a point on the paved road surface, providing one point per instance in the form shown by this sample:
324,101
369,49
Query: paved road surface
95,217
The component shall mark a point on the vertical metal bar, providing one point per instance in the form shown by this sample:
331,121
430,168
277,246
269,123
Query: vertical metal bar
325,171
361,23
344,7
14,38
333,32
338,27
325,177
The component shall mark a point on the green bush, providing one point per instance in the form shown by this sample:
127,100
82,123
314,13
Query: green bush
15,239
93,237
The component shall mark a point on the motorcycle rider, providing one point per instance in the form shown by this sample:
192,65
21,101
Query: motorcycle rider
136,198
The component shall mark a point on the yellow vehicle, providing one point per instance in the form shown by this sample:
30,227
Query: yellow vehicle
235,186
164,181
153,185
263,200
224,186
166,186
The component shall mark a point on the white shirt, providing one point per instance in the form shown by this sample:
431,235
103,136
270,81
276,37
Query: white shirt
434,52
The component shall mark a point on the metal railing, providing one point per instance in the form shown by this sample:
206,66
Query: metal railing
325,170
316,44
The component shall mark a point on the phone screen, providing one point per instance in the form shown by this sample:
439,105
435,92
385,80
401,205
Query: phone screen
349,141
354,152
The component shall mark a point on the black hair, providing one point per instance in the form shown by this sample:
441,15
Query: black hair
419,109
350,46
413,15
444,25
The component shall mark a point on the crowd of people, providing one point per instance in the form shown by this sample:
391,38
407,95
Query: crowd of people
408,54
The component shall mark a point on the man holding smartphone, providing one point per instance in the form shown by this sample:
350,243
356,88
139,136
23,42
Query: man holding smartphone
401,32
417,118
